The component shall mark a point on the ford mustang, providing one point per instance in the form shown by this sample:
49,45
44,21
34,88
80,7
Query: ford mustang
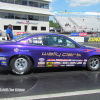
46,50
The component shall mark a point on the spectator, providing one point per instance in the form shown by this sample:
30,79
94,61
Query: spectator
0,32
74,28
9,33
97,29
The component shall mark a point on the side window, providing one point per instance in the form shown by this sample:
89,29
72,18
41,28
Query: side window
38,40
69,44
59,41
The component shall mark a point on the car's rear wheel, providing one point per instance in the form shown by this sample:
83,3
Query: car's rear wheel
93,63
20,64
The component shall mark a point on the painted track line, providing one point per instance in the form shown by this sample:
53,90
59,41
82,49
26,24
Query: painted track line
54,95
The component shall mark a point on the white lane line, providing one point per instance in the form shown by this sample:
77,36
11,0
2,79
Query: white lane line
54,95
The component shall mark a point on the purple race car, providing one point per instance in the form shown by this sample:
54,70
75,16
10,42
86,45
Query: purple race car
46,50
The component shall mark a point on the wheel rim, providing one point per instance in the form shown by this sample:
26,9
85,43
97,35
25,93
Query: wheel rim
94,63
21,63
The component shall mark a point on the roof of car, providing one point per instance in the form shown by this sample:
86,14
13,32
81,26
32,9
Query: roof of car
35,34
45,33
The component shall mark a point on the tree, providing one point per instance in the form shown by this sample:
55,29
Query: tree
52,24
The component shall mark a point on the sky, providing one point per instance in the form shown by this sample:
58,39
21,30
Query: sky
75,5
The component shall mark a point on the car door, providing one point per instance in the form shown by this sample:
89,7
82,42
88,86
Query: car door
37,46
62,52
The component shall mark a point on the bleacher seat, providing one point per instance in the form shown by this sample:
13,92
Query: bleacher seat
92,24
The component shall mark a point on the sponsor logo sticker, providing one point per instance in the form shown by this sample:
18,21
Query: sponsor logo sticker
62,65
85,59
50,59
16,49
84,63
41,63
3,62
72,62
56,63
49,63
65,59
59,59
70,65
3,58
78,62
41,59
64,62
24,50
40,66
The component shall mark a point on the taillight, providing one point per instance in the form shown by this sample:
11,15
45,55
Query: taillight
0,49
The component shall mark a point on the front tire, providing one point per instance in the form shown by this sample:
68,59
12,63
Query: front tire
20,65
93,63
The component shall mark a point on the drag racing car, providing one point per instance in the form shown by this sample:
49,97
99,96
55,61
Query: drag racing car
46,50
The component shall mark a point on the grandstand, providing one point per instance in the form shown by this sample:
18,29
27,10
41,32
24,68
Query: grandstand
79,24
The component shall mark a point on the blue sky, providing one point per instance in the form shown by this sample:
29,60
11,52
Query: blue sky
75,5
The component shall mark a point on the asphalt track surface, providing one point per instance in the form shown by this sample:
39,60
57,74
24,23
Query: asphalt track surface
75,83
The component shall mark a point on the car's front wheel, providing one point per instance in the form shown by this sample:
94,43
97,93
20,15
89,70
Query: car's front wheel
20,64
93,63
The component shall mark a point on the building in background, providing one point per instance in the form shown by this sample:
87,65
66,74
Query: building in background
25,15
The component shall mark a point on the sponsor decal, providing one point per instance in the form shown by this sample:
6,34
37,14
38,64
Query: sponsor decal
65,59
97,50
3,58
84,63
70,59
82,34
56,63
87,50
61,54
40,66
24,50
41,59
50,59
20,22
16,49
70,65
64,62
94,39
49,63
59,59
85,59
62,65
3,62
78,62
72,62
41,63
